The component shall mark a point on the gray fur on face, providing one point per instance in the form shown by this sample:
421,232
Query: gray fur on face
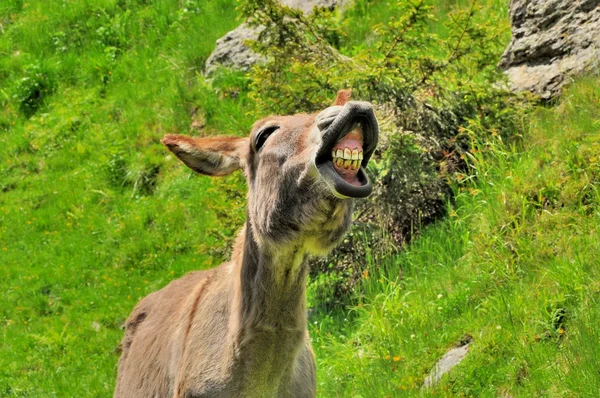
289,200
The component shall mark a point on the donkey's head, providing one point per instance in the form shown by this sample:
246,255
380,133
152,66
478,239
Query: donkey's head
302,171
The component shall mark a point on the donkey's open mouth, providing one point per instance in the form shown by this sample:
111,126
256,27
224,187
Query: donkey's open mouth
350,136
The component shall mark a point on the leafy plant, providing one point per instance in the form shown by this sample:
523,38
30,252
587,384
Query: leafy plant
428,87
34,88
304,68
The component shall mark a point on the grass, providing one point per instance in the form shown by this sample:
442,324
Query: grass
365,16
514,268
95,215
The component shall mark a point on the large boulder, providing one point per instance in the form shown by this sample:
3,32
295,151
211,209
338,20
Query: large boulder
231,50
552,41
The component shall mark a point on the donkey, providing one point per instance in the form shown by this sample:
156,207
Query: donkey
240,330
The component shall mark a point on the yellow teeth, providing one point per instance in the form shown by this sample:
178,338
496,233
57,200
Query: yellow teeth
347,164
346,153
347,158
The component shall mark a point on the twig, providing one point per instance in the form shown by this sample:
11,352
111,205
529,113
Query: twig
411,21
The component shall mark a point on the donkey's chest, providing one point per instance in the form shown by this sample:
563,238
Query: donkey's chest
263,364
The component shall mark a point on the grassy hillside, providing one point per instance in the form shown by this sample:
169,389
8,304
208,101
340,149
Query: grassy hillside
514,268
94,214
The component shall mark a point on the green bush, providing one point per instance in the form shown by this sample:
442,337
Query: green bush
427,87
34,88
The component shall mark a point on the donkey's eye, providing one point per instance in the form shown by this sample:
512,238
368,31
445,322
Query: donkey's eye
262,136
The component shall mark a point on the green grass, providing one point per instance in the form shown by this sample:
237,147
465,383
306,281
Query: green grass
94,215
365,15
514,267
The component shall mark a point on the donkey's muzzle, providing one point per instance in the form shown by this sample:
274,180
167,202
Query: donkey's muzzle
335,123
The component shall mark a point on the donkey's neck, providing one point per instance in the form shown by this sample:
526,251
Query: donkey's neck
268,315
272,285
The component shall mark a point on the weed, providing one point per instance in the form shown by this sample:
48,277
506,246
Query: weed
37,84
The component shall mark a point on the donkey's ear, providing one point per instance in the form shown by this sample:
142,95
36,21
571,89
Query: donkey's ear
343,96
213,156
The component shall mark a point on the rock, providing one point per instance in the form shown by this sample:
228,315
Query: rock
444,365
552,41
231,52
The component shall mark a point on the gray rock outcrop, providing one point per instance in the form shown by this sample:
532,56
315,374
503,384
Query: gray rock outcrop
552,41
448,361
231,52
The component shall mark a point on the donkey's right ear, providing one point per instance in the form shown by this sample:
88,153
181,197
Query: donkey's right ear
213,156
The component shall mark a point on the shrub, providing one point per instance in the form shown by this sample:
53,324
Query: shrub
426,89
34,88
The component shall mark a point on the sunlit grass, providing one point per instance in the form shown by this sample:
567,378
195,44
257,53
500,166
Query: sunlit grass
94,215
514,267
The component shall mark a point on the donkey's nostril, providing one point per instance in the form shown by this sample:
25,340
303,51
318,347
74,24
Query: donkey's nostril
325,118
324,123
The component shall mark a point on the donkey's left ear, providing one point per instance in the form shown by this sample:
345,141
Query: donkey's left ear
343,96
213,156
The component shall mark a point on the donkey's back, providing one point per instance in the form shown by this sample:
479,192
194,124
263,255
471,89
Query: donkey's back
153,334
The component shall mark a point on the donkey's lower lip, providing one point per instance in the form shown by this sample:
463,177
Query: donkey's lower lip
360,187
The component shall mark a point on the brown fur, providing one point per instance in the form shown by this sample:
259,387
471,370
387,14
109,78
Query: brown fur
240,330
342,97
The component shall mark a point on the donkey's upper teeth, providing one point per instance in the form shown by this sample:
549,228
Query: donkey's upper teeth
347,153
